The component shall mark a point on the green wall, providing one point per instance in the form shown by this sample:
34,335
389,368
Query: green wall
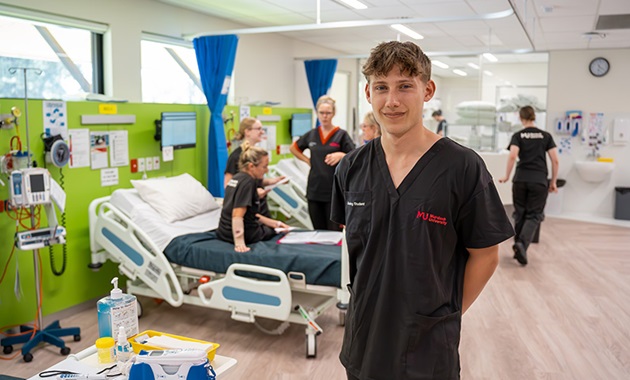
79,284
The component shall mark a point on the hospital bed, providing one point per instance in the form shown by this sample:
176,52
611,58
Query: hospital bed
290,198
127,231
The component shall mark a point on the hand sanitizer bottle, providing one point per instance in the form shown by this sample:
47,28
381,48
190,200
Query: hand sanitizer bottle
117,309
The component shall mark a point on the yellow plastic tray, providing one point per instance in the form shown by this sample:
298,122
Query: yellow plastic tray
139,346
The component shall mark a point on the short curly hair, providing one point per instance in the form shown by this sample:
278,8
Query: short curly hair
408,56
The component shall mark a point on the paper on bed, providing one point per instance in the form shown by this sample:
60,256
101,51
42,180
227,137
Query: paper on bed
168,342
312,237
271,187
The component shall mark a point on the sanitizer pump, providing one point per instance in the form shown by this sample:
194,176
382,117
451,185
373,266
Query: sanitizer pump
116,310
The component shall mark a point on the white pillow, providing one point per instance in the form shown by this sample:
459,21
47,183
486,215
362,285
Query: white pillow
176,198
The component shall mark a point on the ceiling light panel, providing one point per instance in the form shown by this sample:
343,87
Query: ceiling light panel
460,72
405,30
355,4
439,64
490,57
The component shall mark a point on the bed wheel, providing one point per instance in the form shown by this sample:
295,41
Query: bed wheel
342,317
311,346
139,308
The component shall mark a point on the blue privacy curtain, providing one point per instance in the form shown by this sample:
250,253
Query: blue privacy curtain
215,58
320,73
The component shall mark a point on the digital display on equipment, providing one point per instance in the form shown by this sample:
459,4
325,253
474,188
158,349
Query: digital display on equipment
179,129
37,183
301,123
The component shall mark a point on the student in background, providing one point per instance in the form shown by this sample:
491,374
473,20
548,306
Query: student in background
241,222
423,223
442,123
370,127
328,144
530,185
250,130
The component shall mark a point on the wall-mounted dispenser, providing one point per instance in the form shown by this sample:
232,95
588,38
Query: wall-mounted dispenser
621,131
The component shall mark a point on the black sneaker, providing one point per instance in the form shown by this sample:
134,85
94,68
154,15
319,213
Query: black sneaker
520,254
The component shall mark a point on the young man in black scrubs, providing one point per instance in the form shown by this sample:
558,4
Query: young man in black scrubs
423,223
530,185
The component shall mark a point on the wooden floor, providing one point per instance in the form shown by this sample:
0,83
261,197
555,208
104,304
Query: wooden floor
564,316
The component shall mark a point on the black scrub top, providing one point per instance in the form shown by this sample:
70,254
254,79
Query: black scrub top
442,127
533,144
407,256
320,177
232,168
241,192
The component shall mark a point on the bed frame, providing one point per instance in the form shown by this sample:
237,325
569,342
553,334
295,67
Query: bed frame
115,237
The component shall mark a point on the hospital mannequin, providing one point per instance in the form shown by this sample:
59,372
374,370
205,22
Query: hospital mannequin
370,127
241,222
423,223
442,123
530,185
250,130
328,144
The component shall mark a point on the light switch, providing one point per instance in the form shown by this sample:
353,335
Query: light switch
149,164
156,163
141,164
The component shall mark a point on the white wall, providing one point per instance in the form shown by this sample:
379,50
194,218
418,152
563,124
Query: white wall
571,87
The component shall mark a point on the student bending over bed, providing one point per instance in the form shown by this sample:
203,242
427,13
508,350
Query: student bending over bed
241,222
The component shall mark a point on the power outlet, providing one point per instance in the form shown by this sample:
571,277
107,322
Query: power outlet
141,167
156,163
149,164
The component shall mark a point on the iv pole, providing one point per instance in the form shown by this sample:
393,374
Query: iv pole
51,333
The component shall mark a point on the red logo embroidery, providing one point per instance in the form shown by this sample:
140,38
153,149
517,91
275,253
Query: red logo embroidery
431,218
336,145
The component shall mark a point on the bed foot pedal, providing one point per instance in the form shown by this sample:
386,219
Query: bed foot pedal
243,317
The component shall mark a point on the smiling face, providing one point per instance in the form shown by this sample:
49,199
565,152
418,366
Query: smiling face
398,99
255,133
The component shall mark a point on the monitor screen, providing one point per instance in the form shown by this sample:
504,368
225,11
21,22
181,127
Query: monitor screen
301,123
37,183
179,129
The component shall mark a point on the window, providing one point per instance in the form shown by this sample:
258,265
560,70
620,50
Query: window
64,54
170,74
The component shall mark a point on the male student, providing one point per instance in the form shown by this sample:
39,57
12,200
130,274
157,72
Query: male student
423,223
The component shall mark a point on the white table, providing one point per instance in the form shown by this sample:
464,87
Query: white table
86,362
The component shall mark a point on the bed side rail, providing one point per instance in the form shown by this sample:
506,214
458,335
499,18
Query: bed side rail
137,255
249,298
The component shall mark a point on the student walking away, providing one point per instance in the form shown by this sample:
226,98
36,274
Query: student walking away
530,185
442,123
250,130
423,223
241,222
327,144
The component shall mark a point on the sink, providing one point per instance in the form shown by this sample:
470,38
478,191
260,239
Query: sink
594,171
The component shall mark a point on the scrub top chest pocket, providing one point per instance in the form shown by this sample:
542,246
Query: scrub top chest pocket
358,212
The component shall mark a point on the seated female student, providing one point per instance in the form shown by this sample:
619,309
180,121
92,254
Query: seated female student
241,222
250,130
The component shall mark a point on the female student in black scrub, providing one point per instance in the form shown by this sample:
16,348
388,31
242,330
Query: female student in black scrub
241,222
370,127
328,144
423,223
250,130
530,185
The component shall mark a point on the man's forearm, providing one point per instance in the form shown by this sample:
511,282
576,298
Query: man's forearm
479,268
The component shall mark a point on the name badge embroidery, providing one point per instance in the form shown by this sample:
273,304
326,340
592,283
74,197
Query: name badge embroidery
357,204
334,144
312,143
431,218
233,183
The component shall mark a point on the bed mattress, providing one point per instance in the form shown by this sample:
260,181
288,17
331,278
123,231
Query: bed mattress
149,220
321,264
